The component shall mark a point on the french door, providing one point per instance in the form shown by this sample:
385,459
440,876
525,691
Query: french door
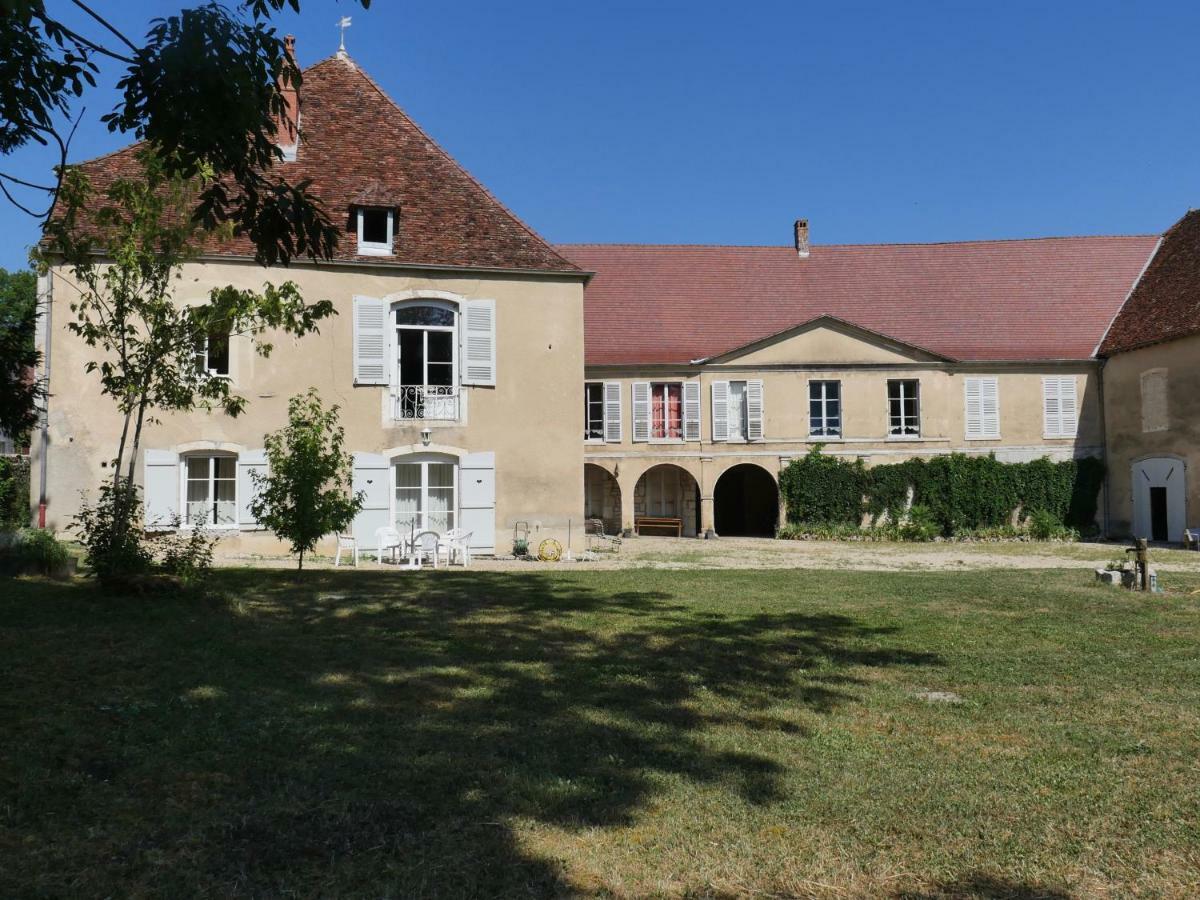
425,495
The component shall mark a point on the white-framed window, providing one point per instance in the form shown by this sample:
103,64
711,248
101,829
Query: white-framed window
1155,410
1060,406
209,491
982,408
593,411
425,372
904,407
825,408
425,493
212,354
376,230
737,410
666,411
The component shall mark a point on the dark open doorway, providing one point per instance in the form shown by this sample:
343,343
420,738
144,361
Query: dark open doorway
1159,530
746,502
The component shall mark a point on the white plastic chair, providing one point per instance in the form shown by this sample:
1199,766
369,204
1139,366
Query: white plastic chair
425,544
457,544
389,541
349,543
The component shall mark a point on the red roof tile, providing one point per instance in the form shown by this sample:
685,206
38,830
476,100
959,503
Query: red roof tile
357,143
1049,298
1166,302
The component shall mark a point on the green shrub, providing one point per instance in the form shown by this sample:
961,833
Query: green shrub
185,554
14,492
111,533
33,550
824,489
919,526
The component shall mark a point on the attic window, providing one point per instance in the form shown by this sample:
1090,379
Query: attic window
375,231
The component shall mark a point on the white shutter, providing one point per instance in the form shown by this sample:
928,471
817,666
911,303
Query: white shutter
612,412
477,499
1052,409
160,489
641,410
371,476
990,407
479,342
720,410
754,410
691,410
1068,406
370,344
974,410
248,463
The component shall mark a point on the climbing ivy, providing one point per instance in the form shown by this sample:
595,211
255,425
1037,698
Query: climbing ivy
14,492
960,493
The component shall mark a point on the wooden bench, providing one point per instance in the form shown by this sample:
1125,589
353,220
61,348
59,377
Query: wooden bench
664,522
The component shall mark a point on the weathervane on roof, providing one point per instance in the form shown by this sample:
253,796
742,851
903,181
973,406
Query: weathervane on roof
343,25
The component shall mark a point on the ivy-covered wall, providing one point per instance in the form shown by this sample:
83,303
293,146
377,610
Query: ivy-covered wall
960,492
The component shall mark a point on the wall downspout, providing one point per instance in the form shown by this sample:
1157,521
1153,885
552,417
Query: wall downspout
46,301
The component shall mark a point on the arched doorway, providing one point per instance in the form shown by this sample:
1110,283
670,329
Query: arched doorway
746,502
602,497
667,492
1159,498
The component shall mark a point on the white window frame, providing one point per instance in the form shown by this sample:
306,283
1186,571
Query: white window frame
587,412
374,248
1052,390
184,459
902,434
982,384
743,421
824,430
666,439
204,363
453,330
424,460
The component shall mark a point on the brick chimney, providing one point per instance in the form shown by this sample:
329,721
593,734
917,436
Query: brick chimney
802,238
287,129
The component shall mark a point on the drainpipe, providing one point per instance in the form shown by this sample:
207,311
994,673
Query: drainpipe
45,300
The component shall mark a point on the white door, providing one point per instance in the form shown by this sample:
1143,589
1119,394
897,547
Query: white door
425,494
1159,499
662,492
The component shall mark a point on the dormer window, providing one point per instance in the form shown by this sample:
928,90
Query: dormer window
375,231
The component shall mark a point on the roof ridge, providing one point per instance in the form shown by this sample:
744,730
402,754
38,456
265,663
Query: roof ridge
1018,240
450,159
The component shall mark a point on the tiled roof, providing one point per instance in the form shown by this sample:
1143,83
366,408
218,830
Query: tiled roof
357,143
1049,298
1166,302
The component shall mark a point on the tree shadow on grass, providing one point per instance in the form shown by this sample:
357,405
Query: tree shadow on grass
984,886
382,734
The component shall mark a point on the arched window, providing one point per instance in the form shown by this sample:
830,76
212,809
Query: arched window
426,359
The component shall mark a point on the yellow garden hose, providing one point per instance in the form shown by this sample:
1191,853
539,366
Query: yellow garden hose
549,550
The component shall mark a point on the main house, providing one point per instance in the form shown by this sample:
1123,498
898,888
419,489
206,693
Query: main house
467,350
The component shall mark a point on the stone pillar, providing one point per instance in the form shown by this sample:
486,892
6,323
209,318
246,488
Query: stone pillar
627,485
708,519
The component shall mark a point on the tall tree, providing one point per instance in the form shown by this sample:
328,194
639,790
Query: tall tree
306,494
202,89
18,356
146,342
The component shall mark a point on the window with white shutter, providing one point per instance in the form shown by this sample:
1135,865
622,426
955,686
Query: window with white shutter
640,391
593,411
612,412
160,489
479,342
982,417
249,463
754,410
1060,407
370,328
691,410
720,410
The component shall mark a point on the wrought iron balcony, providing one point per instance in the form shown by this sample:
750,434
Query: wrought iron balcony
426,402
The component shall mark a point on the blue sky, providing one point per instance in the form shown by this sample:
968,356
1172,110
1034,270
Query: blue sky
702,122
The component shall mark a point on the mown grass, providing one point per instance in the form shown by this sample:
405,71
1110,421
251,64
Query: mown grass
629,733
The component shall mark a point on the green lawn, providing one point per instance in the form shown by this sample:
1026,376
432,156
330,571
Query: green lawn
629,733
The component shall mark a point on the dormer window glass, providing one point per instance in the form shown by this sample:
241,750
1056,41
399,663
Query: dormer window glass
376,229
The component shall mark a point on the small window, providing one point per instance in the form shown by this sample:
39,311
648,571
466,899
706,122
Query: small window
212,353
1060,406
825,408
593,411
375,231
904,408
210,498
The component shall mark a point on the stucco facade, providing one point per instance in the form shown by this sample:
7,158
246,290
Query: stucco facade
1152,419
527,419
862,364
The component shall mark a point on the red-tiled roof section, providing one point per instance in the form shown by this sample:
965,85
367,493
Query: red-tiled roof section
1166,302
1048,298
357,143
